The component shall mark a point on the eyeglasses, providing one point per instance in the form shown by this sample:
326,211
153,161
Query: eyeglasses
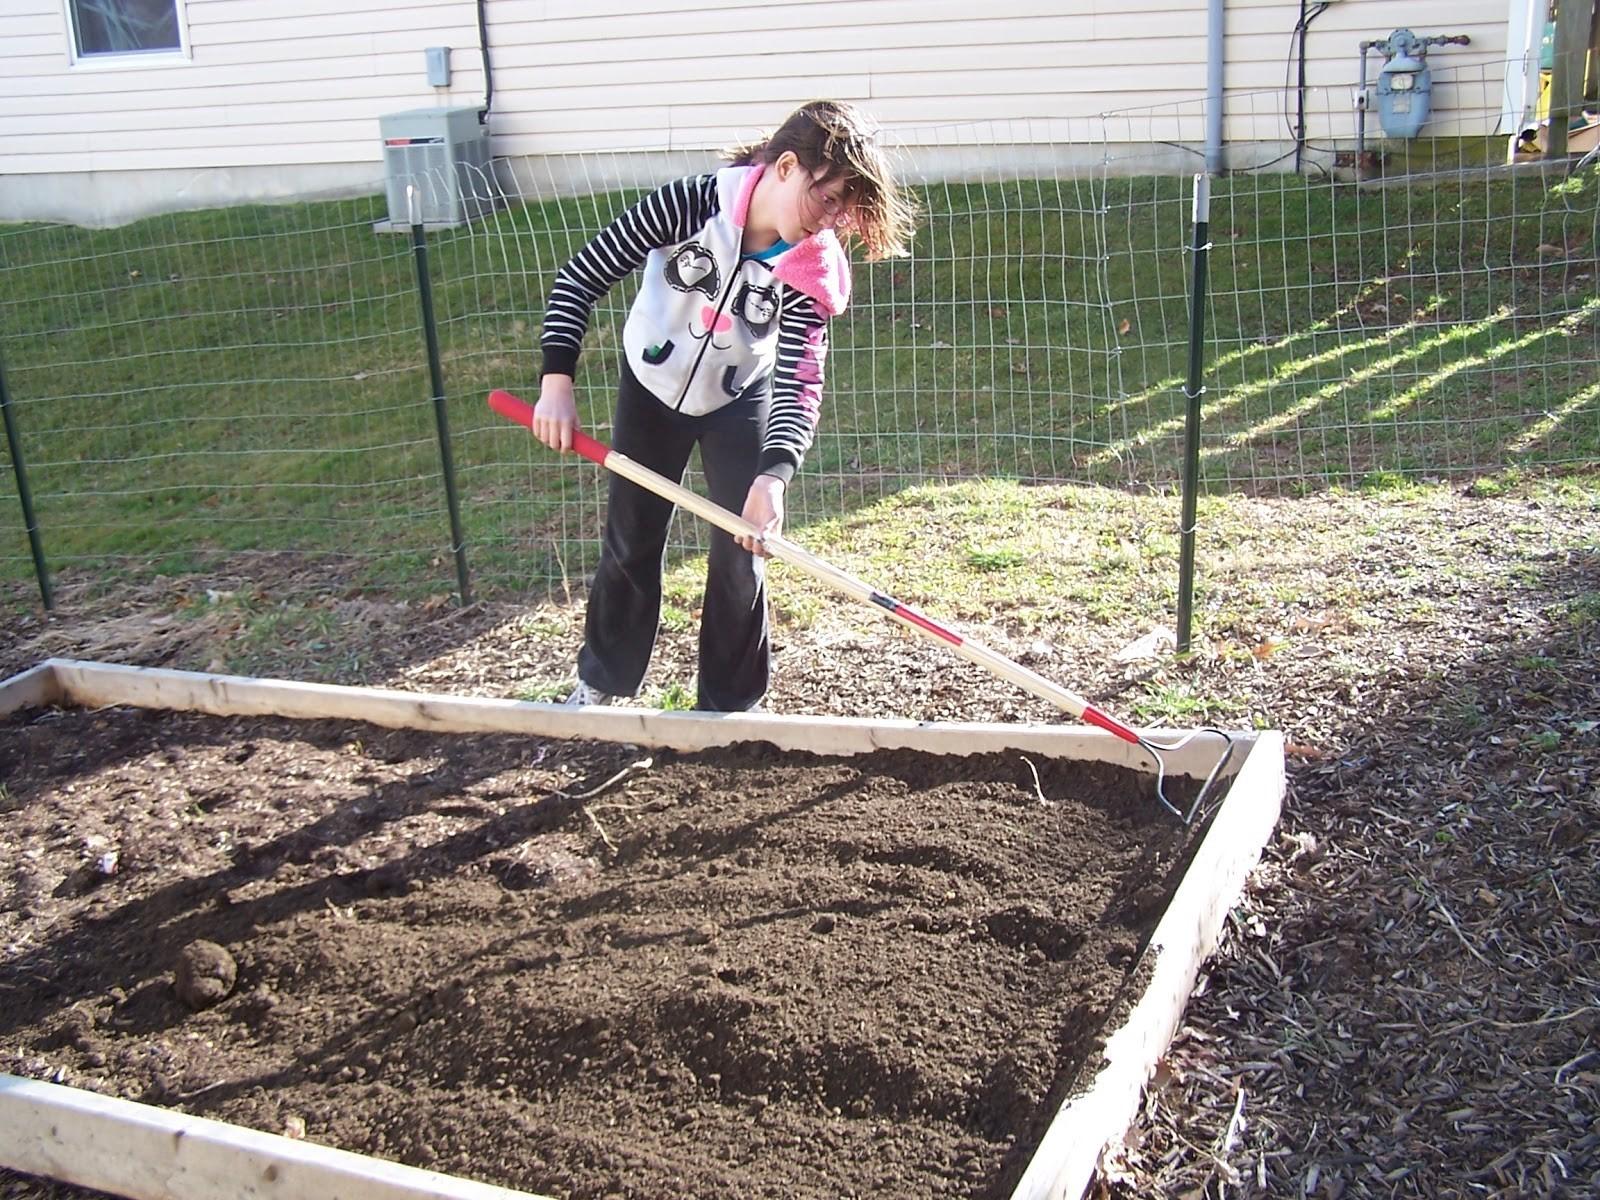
835,210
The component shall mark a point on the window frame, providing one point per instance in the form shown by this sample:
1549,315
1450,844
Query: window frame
130,58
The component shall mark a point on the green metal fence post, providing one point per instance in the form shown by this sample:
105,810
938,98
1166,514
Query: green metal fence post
441,417
14,440
1193,389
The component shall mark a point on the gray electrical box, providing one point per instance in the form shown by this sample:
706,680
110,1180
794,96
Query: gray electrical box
438,65
444,154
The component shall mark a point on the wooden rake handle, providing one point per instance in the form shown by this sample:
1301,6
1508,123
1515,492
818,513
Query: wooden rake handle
784,550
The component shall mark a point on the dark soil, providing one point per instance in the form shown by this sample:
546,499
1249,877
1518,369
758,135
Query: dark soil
569,967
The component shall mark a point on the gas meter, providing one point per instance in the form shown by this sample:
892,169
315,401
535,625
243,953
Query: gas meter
1405,83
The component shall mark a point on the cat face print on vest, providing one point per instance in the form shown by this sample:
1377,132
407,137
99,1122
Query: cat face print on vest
708,324
757,306
691,268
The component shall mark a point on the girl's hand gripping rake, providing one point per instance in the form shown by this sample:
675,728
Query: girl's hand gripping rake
781,548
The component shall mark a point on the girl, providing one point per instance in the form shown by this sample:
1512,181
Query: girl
723,348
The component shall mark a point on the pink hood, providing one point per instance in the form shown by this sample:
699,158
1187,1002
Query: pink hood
817,266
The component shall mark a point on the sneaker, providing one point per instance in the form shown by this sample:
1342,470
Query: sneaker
583,694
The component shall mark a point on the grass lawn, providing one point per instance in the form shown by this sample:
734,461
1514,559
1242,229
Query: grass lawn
253,380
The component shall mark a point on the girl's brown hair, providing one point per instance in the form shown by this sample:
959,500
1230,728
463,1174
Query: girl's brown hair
829,137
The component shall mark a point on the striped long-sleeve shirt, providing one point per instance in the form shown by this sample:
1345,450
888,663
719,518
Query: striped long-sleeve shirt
711,325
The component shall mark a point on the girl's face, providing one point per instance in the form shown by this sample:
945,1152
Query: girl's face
805,203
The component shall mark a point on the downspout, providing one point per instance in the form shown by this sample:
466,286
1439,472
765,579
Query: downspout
1216,60
488,73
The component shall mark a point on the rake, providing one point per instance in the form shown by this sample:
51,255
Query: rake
783,550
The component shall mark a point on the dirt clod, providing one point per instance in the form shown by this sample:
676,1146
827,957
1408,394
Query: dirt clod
204,974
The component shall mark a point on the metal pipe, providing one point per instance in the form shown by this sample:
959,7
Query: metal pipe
1300,91
488,71
1216,65
1361,108
41,569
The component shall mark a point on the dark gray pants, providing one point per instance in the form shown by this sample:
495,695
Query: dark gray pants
625,597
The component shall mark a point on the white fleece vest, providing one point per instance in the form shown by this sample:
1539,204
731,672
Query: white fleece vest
704,329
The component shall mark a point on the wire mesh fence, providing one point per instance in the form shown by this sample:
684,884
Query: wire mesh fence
1420,307
238,381
253,380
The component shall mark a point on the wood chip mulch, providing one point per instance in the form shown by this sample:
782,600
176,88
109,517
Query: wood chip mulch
1409,1002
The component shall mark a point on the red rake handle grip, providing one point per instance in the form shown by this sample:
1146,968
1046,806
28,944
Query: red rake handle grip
521,412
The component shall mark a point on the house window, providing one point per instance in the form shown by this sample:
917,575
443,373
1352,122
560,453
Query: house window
107,28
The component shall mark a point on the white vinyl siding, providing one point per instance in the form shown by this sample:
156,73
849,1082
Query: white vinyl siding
1258,37
304,82
671,79
303,85
638,76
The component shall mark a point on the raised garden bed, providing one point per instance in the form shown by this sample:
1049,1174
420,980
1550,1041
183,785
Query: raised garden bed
588,953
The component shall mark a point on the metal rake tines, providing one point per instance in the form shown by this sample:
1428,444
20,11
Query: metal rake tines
1156,750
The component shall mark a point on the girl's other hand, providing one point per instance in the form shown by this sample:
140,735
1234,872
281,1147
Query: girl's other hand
555,416
763,508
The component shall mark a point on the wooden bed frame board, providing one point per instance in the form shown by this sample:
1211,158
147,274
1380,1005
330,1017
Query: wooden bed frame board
150,1153
31,689
100,685
1097,1115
